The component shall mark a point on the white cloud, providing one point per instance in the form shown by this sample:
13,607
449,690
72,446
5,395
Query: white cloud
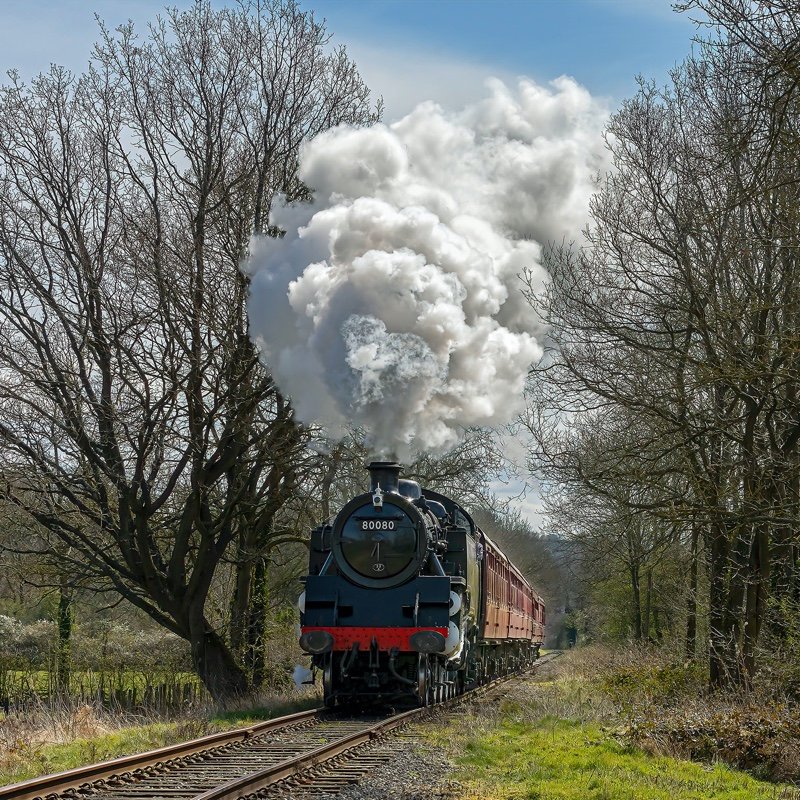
403,76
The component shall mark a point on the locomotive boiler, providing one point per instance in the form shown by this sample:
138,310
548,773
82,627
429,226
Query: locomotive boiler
407,599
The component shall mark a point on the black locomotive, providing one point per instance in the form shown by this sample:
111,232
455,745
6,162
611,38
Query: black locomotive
407,599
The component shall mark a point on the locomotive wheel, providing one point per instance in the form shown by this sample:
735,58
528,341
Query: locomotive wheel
438,695
444,678
424,689
329,701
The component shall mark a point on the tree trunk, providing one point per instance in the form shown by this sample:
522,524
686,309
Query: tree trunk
240,602
728,567
214,662
717,558
735,620
648,604
636,610
783,576
757,596
64,622
691,600
256,651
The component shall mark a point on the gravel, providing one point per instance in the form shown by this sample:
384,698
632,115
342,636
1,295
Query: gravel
417,772
404,766
399,767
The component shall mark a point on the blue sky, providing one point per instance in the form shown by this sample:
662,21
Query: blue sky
602,43
412,50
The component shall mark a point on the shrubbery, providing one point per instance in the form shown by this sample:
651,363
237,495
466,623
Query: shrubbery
762,739
26,647
665,707
102,647
650,684
105,658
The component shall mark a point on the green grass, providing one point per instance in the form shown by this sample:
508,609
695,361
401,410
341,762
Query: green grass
553,738
27,758
239,718
563,760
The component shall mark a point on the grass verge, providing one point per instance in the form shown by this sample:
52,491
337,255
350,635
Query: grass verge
556,739
27,749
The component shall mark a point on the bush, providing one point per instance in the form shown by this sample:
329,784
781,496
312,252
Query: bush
760,738
667,709
651,685
110,647
26,646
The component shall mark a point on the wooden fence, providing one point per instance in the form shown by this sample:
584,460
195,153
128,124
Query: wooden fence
160,697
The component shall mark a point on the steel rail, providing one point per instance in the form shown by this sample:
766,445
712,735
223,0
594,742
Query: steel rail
81,776
292,766
327,760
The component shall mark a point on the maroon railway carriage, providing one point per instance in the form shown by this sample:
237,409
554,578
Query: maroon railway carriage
512,615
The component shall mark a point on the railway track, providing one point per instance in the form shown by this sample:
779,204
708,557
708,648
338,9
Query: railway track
316,749
332,775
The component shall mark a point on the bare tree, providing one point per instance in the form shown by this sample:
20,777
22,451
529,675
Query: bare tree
137,425
682,313
612,494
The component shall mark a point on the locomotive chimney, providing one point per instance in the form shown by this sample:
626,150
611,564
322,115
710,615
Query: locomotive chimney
385,474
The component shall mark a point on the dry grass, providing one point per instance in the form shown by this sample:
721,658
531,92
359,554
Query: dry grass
52,737
558,737
664,706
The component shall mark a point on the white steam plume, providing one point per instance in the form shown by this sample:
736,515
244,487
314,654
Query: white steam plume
393,301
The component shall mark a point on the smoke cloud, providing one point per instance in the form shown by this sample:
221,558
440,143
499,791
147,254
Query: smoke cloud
394,300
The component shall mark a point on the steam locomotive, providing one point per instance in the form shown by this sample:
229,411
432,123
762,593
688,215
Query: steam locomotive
406,599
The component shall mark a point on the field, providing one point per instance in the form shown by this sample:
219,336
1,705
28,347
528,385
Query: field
564,737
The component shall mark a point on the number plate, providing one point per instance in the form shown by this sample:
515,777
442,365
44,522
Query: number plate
377,525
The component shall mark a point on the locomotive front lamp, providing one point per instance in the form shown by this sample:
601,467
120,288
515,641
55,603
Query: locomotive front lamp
316,642
427,641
